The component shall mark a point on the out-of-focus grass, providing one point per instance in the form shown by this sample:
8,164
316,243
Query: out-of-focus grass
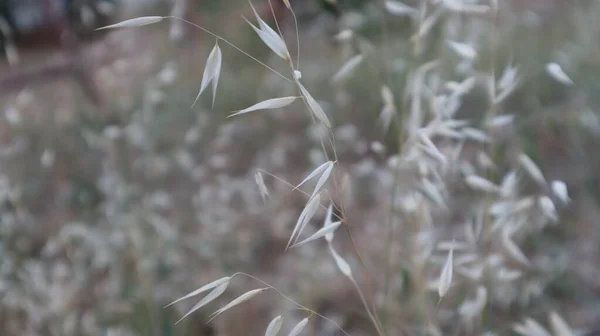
549,130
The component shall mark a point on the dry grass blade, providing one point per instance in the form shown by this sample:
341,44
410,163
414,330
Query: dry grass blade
428,24
532,169
509,184
264,192
323,179
388,111
137,22
212,71
268,104
269,36
464,7
344,36
559,188
271,42
500,120
307,213
315,108
559,326
202,289
320,169
521,329
322,232
463,50
327,222
432,147
556,72
536,328
215,293
433,193
274,326
341,263
548,208
241,299
347,69
480,183
446,276
299,327
513,249
475,134
398,8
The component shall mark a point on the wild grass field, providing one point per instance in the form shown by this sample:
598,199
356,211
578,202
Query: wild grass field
439,157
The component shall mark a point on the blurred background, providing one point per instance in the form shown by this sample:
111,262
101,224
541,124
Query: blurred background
117,197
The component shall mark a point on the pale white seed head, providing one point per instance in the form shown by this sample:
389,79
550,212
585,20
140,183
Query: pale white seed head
559,188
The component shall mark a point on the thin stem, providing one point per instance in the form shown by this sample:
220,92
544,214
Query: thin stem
230,44
293,301
364,301
297,40
332,140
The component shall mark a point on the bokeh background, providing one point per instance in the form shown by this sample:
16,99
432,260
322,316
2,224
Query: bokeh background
117,197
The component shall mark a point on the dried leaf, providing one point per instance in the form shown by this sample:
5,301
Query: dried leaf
298,327
274,326
202,289
347,69
315,108
556,72
446,276
322,232
215,293
241,299
137,22
212,71
267,105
